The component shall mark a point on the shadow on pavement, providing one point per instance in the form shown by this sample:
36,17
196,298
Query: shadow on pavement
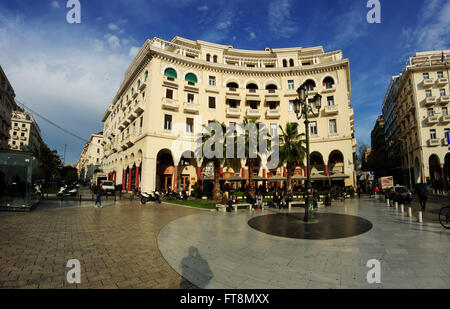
195,268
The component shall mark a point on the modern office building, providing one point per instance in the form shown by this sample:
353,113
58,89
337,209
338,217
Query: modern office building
7,106
172,89
25,134
415,111
91,157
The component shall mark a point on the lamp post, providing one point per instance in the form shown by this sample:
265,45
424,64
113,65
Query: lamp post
303,108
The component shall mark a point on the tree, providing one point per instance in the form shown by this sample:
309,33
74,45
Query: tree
362,149
49,162
292,151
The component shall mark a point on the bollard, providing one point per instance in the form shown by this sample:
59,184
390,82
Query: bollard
80,198
419,217
409,212
388,204
402,208
396,205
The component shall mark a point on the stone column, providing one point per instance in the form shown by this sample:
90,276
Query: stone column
136,179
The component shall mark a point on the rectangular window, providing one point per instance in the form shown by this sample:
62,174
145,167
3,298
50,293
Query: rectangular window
433,134
430,112
189,125
443,92
273,129
426,76
291,106
291,85
445,111
333,126
440,74
330,101
190,98
212,102
428,93
212,81
168,122
313,127
169,93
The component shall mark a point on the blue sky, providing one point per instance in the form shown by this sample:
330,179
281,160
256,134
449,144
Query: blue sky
70,72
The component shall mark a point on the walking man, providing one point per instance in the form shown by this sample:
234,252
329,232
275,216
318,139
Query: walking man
99,199
422,193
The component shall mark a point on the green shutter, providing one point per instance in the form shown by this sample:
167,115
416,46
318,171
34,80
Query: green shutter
191,78
171,73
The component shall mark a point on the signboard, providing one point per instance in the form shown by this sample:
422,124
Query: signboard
447,134
387,182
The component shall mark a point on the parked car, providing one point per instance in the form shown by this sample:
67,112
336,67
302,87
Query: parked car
400,194
108,187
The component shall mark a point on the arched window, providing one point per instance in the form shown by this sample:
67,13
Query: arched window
291,62
215,58
252,86
208,57
284,63
271,87
132,91
328,82
170,73
139,84
311,84
191,78
232,85
146,76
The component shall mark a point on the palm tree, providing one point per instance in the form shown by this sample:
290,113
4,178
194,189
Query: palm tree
217,161
292,151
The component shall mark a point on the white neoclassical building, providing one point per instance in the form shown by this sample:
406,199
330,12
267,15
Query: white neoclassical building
91,157
172,89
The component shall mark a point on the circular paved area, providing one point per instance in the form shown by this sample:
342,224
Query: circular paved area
325,226
220,250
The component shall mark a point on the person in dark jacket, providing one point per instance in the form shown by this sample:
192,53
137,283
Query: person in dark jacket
422,193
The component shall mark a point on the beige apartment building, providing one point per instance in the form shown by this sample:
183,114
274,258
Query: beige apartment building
91,157
25,134
7,106
172,89
417,109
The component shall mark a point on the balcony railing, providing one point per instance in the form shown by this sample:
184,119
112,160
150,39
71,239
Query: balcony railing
233,112
191,108
170,104
445,119
331,110
273,114
433,142
428,82
430,101
253,113
442,81
432,119
444,99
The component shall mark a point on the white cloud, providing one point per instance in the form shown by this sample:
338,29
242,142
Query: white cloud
203,8
279,19
55,4
133,51
114,41
113,27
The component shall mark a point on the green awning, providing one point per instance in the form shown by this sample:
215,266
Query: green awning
191,78
171,73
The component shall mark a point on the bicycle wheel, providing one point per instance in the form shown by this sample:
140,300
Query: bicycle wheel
444,217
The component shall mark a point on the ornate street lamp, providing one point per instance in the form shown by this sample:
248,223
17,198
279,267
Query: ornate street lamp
303,108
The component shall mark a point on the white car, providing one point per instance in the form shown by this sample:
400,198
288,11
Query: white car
108,187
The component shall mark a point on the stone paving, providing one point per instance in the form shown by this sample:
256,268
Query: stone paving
220,250
116,246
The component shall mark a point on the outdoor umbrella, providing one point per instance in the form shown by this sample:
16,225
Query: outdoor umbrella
277,179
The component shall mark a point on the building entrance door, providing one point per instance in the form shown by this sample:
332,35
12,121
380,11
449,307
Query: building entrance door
185,182
167,182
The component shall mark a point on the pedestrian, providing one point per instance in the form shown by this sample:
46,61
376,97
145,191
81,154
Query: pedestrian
422,193
99,199
359,191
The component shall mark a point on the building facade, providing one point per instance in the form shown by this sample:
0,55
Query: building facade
416,116
91,157
25,134
7,106
172,89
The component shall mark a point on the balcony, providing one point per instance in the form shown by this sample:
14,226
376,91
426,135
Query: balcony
442,81
430,101
444,99
433,142
253,95
23,138
331,110
329,90
272,95
233,112
313,115
170,82
142,87
273,114
427,83
15,137
444,142
132,116
253,113
233,94
432,120
139,108
169,104
135,95
191,108
445,119
16,129
24,129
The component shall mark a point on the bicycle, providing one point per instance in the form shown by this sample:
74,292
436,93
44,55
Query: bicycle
444,217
